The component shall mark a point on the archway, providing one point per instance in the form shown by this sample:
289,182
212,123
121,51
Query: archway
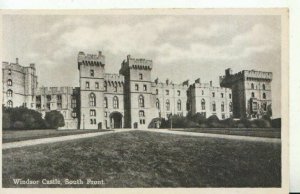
115,120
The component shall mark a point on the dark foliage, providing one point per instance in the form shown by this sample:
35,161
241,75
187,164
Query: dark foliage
276,123
54,119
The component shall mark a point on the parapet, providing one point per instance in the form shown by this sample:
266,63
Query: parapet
91,59
114,77
140,63
55,90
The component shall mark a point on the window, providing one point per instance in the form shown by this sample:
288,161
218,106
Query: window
214,106
59,97
142,121
91,121
141,76
115,102
48,98
264,87
9,71
179,105
136,87
156,91
252,86
223,116
141,101
48,106
203,104
105,102
9,93
222,95
254,106
9,82
213,94
202,92
168,105
116,88
145,87
230,106
230,96
141,113
105,86
92,112
87,84
167,92
264,96
178,92
264,106
105,114
59,105
74,114
73,103
92,73
157,103
97,85
222,107
252,95
10,104
92,99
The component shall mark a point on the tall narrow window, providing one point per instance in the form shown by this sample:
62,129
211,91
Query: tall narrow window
264,106
157,103
136,87
167,92
141,76
141,113
105,86
9,82
222,107
168,105
9,71
156,91
203,104
252,95
202,92
73,103
264,96
115,102
97,85
92,73
105,102
264,87
214,106
141,101
252,86
87,84
213,94
145,87
178,92
92,112
10,104
222,95
179,105
9,93
92,99
230,106
230,96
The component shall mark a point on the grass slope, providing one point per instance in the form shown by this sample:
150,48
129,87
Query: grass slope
145,159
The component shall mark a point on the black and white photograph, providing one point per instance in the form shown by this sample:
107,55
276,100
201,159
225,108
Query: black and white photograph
143,99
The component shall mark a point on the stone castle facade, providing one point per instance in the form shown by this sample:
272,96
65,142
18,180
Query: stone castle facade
131,99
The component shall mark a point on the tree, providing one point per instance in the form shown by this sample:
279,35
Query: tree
54,119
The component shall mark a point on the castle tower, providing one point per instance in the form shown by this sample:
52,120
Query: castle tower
138,101
251,92
91,73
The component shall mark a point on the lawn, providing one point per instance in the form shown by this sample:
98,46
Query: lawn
147,159
254,132
20,135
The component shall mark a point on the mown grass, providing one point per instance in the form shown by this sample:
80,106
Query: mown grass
21,135
145,159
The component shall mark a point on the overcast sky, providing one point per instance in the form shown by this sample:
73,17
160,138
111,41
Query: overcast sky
181,47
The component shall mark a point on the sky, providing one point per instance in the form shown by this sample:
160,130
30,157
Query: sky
181,46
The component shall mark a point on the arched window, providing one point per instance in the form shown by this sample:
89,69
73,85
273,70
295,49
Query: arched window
157,103
214,106
252,86
265,107
141,113
203,104
141,101
264,96
9,82
92,99
10,104
264,87
105,102
252,95
222,107
168,105
179,105
115,102
9,93
230,106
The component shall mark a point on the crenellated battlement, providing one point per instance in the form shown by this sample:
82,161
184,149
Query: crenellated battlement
55,90
91,59
169,84
140,63
114,78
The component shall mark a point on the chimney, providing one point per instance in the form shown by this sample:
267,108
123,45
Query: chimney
17,60
210,83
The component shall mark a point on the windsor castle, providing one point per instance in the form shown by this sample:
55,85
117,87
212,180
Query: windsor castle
131,99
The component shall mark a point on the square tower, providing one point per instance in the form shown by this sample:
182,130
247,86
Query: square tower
138,101
91,83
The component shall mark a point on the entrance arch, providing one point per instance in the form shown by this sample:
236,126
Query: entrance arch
116,120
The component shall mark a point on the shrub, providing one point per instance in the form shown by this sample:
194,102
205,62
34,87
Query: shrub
213,121
198,118
54,119
276,123
262,123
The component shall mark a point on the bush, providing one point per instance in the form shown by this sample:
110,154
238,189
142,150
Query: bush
276,123
213,121
198,118
22,118
262,123
54,119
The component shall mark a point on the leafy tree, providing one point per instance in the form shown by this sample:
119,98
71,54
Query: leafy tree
54,119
